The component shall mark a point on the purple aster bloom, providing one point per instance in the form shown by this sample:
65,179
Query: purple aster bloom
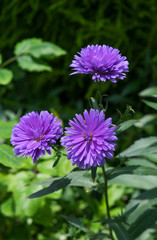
89,140
103,62
34,134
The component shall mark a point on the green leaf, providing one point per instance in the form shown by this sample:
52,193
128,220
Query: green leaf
6,129
149,92
146,120
37,48
46,49
24,46
80,182
94,103
5,76
77,223
151,104
149,194
31,64
135,181
120,231
59,183
140,147
125,125
7,208
151,157
7,157
145,221
1,58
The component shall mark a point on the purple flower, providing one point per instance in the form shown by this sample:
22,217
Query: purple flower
103,62
89,140
34,134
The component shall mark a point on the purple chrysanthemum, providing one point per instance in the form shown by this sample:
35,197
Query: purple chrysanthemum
34,134
89,140
103,62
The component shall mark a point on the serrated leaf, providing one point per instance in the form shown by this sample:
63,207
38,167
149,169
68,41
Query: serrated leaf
6,129
7,157
59,183
151,104
47,49
24,46
125,125
149,92
31,64
5,76
140,147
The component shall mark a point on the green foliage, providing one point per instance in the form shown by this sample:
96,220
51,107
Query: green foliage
5,76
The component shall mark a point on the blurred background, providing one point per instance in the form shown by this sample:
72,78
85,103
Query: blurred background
130,26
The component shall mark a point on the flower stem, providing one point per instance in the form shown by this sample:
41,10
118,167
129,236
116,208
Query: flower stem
10,60
106,200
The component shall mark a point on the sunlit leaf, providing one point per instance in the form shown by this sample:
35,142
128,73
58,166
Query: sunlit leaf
31,64
149,92
59,183
125,125
140,147
24,46
151,104
6,129
5,76
7,157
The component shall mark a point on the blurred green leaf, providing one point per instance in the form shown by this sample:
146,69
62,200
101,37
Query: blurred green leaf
135,181
5,76
47,49
151,104
59,183
151,157
125,125
145,221
31,64
149,92
37,48
7,157
94,103
25,46
149,194
77,223
1,58
8,207
140,147
137,170
81,182
6,129
146,120
120,231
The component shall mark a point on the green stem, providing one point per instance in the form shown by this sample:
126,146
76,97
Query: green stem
101,94
106,200
9,61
